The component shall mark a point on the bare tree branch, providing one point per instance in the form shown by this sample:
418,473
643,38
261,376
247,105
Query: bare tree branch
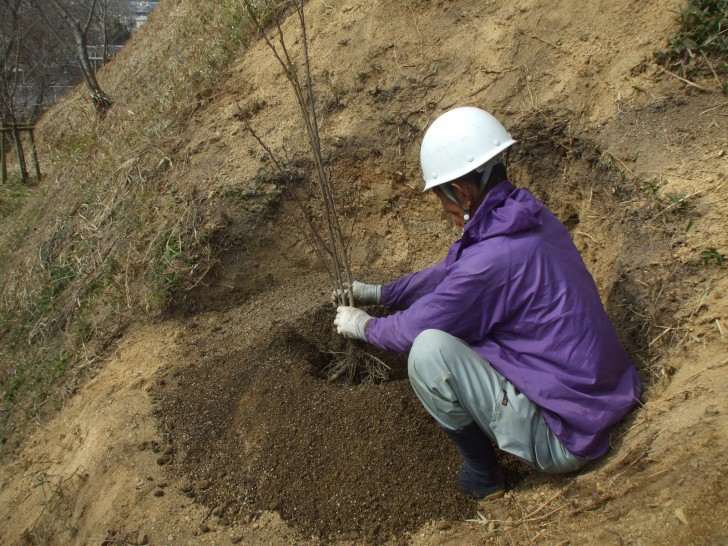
101,101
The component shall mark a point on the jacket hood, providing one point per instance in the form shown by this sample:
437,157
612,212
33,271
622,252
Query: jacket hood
506,210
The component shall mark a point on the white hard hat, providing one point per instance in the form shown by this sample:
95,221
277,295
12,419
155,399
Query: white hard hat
460,141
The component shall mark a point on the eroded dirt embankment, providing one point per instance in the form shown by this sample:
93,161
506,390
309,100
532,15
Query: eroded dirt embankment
212,424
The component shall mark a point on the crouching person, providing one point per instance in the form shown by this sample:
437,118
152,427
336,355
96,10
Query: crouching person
509,344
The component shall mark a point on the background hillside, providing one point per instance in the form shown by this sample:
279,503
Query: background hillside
165,328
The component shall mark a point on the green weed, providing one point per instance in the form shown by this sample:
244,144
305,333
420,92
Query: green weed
677,203
701,46
652,187
711,255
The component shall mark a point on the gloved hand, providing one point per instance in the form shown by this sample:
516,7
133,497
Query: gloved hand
364,294
351,322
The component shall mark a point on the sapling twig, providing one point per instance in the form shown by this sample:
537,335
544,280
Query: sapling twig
330,243
335,244
311,234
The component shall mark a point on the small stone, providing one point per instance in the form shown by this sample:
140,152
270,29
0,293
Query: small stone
236,539
442,525
712,410
202,484
159,493
680,515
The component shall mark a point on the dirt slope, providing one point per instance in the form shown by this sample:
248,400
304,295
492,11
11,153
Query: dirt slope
212,424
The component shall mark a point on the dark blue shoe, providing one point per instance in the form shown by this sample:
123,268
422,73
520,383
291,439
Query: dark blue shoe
480,475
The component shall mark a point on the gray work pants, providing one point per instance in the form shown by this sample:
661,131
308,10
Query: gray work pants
457,387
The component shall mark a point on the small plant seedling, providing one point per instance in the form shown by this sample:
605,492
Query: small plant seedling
651,186
677,203
710,255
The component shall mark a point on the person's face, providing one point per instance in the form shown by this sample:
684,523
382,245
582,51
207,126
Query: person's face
467,195
453,212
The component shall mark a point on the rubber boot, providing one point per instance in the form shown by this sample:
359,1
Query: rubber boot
480,475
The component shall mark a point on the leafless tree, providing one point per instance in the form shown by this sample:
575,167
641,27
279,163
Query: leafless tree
30,62
109,25
327,238
78,20
11,39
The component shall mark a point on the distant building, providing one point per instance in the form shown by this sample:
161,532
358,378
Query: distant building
138,12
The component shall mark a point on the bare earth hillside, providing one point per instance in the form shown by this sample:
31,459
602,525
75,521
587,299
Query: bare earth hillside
212,422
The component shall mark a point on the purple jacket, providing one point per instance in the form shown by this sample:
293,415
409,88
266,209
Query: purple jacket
516,289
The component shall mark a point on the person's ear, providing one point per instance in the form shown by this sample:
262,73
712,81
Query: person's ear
464,192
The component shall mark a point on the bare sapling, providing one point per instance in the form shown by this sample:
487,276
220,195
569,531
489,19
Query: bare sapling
325,237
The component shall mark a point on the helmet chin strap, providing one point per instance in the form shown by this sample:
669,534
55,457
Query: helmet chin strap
485,169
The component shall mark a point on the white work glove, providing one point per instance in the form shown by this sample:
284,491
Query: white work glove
364,294
351,322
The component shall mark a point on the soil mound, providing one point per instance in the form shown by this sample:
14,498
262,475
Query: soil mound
261,428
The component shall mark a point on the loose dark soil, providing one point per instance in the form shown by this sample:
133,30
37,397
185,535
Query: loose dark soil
263,429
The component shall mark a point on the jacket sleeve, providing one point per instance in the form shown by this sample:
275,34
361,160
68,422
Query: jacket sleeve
467,301
403,292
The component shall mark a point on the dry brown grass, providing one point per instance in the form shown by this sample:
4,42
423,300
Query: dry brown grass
106,237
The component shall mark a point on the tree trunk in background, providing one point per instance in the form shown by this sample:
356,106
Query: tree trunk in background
21,155
101,101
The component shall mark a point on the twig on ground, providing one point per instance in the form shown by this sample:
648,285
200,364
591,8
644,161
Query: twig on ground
549,43
713,108
665,330
592,505
610,154
711,367
717,79
585,234
482,520
686,81
551,499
